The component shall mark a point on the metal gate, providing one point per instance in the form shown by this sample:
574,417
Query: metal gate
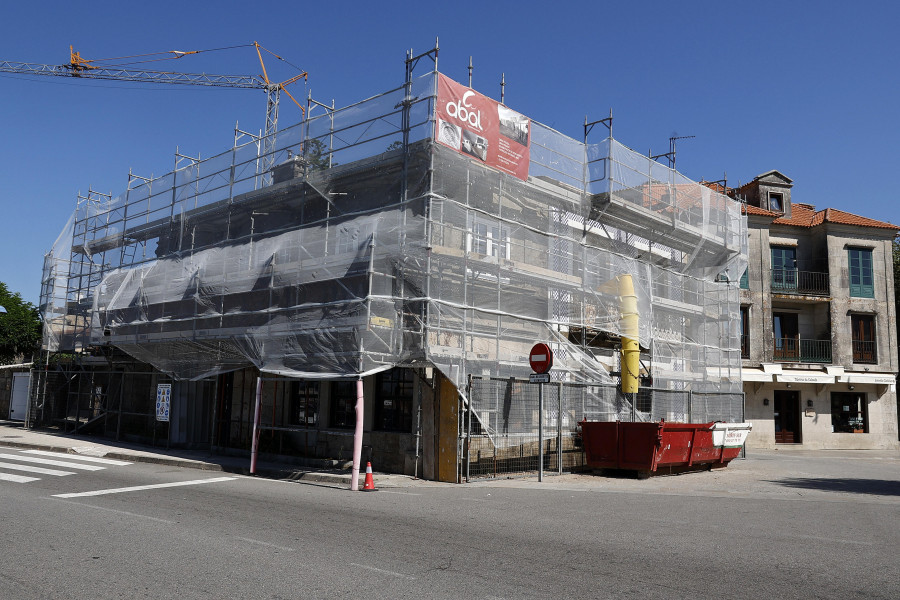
500,422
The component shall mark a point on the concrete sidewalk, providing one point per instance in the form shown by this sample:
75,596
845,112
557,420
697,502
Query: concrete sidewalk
770,473
14,435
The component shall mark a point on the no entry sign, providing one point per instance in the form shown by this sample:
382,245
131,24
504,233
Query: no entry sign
541,358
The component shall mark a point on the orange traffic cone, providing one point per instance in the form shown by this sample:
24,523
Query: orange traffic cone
370,483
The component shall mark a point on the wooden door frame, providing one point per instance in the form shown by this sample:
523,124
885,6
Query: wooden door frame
794,397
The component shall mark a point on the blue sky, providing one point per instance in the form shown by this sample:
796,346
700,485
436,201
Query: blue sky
808,88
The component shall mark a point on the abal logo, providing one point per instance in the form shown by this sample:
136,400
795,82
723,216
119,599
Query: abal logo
462,110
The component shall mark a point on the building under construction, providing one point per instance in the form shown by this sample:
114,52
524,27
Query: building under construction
422,240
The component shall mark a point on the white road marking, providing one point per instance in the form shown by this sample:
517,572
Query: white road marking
55,463
17,478
30,469
118,512
139,488
377,570
92,459
252,541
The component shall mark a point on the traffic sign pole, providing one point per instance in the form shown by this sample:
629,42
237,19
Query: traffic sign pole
540,432
541,360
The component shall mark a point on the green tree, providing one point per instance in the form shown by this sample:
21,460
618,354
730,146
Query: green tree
316,152
20,328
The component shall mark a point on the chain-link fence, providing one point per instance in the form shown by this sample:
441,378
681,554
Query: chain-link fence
504,432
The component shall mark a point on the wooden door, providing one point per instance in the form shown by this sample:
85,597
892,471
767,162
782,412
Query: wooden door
787,417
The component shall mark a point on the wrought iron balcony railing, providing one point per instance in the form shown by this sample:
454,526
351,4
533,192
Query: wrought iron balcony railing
745,346
806,283
864,352
799,350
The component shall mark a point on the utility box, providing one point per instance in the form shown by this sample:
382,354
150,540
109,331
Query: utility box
18,399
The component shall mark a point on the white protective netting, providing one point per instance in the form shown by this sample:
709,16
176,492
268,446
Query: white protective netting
370,246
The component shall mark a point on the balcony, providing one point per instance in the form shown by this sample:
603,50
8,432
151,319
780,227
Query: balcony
802,283
802,351
864,352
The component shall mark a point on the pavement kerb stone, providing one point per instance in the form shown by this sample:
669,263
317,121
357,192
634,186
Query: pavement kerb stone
225,464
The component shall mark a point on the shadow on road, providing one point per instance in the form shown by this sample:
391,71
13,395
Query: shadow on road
875,487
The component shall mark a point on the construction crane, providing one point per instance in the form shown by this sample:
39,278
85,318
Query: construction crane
93,69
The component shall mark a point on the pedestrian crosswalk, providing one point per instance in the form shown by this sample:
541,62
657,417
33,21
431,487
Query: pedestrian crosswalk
51,464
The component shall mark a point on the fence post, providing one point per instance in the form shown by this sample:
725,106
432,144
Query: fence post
690,406
559,438
468,417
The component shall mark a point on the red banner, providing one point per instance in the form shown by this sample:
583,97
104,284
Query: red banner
482,128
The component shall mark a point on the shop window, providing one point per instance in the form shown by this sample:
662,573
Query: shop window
862,277
304,403
863,339
343,404
848,413
394,400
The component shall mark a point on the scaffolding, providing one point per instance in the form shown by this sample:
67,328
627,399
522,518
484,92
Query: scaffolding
378,239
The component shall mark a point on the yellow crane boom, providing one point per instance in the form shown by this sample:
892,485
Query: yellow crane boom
89,69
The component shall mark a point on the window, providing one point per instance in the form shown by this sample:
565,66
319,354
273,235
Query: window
394,400
343,404
304,403
745,280
352,239
490,239
776,202
863,338
745,332
862,278
784,268
787,334
848,413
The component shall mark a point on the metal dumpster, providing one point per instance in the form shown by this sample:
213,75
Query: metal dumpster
651,447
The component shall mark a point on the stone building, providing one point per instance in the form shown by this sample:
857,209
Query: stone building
381,285
818,343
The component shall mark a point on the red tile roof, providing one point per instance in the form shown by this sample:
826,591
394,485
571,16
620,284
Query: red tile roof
802,216
749,209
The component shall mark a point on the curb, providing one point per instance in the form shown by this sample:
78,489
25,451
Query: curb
267,473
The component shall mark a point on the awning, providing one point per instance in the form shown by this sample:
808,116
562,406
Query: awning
798,376
869,378
22,366
755,375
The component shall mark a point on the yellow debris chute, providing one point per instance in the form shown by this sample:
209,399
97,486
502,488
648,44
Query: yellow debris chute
628,323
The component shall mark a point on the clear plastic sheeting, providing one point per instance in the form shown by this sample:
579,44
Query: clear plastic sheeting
369,246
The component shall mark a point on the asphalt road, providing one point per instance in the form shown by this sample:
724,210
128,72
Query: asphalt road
769,526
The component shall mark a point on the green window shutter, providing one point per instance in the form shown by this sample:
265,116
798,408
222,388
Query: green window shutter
745,280
862,276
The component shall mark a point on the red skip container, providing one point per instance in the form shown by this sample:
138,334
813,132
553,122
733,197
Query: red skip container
649,447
